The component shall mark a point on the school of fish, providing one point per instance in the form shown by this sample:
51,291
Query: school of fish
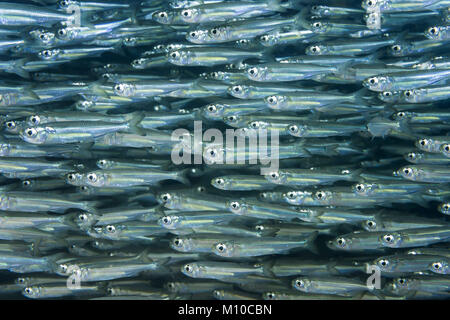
93,206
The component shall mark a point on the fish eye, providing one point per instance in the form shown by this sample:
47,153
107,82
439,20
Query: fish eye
253,71
31,132
433,30
232,118
401,281
299,283
21,280
211,108
423,142
437,266
201,189
396,47
166,220
315,49
212,152
388,238
259,228
83,217
139,61
63,267
407,171
92,177
162,14
26,183
383,262
370,3
194,34
220,181
401,114
254,124
188,268
165,197
84,188
408,93
28,290
102,162
214,31
360,187
220,247
186,13
412,155
341,242
373,80
293,129
320,195
316,24
175,55
62,32
35,120
446,147
270,295
178,242
110,229
387,94
237,88
234,205
11,124
274,175
371,224
291,194
264,38
71,176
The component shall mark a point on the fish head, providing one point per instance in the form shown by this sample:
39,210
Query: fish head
5,149
444,208
402,115
224,249
269,40
110,231
22,281
434,33
198,36
320,11
297,130
87,190
256,125
190,15
96,178
363,189
276,177
170,200
276,102
385,264
340,243
445,149
36,135
219,294
14,126
401,286
233,120
105,163
67,33
218,33
296,197
213,154
175,287
183,244
373,20
163,17
373,5
414,157
124,89
319,26
239,91
410,173
413,96
179,57
32,292
66,4
323,196
36,119
85,220
400,49
371,225
237,207
139,63
316,50
257,73
43,37
169,222
391,239
302,284
441,266
49,54
75,178
130,41
377,83
170,47
389,96
193,270
221,182
213,111
424,144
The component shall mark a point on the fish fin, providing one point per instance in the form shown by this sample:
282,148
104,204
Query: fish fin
312,246
267,268
17,68
89,206
134,122
300,19
182,176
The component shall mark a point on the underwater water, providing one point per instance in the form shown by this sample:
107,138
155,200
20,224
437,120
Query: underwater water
258,149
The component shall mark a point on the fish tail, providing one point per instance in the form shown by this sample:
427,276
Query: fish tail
300,19
276,5
17,68
182,176
133,123
311,243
